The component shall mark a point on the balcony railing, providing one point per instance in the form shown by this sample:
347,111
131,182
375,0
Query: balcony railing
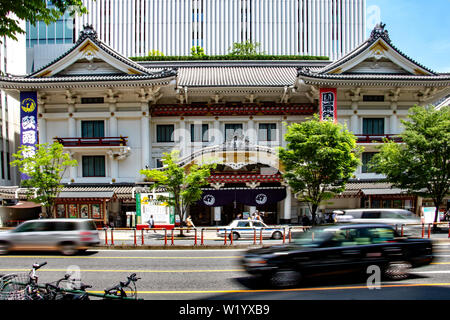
371,138
93,142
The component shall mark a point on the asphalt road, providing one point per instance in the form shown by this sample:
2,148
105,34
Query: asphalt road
216,274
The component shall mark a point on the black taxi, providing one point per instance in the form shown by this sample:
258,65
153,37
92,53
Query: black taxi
339,249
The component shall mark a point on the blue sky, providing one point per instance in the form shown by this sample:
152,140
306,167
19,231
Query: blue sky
419,28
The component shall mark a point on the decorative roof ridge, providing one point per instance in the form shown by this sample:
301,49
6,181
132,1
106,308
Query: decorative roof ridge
378,32
88,32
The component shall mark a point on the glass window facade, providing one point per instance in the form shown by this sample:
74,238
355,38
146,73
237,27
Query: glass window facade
267,132
373,126
93,166
164,133
93,129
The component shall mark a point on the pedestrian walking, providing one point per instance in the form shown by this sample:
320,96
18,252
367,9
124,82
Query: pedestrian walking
151,223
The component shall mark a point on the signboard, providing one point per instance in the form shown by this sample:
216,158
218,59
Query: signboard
147,206
428,214
28,124
328,104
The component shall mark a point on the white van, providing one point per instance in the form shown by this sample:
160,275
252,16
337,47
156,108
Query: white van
388,216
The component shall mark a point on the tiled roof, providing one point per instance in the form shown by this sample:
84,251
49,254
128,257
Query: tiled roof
237,76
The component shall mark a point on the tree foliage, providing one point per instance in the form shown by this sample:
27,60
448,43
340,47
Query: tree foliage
45,170
197,51
319,159
246,48
155,53
183,185
421,164
33,11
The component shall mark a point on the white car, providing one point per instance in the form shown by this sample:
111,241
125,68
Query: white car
388,216
246,229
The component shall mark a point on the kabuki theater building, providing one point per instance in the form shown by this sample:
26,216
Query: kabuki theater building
116,117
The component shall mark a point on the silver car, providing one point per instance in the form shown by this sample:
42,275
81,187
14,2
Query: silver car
246,229
65,235
393,217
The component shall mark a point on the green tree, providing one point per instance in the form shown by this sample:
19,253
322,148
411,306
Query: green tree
45,170
246,48
319,159
155,53
183,184
197,51
421,164
33,11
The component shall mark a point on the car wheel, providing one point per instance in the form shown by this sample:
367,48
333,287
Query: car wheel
284,278
234,235
68,249
398,270
4,247
277,235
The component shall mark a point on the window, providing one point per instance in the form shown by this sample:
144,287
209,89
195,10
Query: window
91,100
164,133
93,166
159,163
199,133
243,224
93,129
267,132
373,126
366,158
231,129
373,98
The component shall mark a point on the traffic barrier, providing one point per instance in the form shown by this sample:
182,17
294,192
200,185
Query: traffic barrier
110,234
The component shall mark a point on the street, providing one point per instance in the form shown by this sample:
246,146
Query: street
216,274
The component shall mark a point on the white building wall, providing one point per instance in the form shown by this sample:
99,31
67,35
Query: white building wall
173,27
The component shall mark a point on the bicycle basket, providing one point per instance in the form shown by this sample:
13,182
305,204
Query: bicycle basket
13,286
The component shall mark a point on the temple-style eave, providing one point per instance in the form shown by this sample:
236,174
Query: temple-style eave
121,81
376,80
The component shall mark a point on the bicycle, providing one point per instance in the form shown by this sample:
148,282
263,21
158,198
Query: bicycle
76,292
120,290
22,286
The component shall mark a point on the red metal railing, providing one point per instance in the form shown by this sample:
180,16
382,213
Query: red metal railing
372,138
92,142
232,109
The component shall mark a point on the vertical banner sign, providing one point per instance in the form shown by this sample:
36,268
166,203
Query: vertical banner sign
138,208
28,124
328,104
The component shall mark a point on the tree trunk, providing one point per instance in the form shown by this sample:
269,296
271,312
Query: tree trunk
313,214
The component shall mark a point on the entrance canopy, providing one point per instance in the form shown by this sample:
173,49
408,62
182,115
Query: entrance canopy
249,197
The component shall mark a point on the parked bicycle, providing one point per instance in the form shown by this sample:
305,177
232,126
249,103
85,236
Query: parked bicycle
22,286
123,289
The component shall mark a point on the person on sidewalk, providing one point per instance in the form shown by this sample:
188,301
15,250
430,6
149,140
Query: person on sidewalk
189,223
151,223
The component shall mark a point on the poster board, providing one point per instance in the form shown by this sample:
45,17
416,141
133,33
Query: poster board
147,205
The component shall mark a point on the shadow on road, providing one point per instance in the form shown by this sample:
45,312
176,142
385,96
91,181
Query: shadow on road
338,288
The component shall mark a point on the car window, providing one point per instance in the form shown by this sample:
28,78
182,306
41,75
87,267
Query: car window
380,235
88,225
343,238
371,215
258,224
35,227
243,224
65,226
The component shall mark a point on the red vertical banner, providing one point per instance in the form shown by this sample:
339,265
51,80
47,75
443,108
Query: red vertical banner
328,104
